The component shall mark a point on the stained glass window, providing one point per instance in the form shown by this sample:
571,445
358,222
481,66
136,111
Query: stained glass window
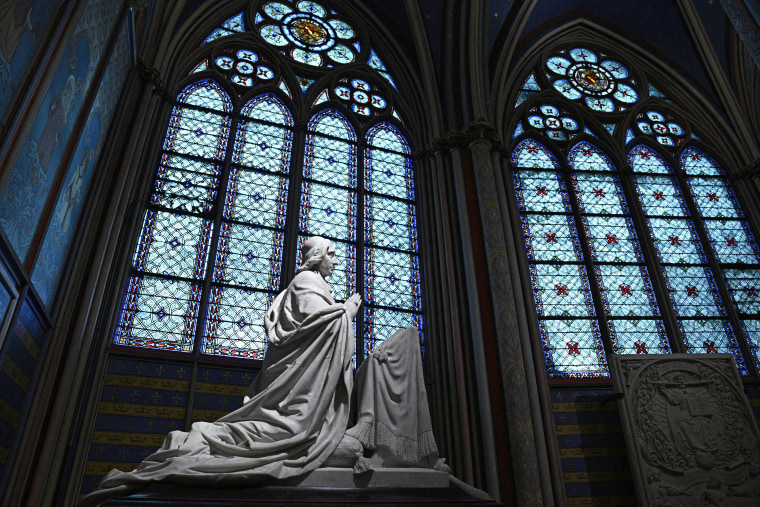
240,186
163,295
651,256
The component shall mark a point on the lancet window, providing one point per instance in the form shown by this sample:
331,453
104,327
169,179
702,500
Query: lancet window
635,241
271,140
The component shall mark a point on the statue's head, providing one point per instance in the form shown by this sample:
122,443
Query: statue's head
318,254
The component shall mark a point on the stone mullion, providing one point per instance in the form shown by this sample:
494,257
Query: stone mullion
520,424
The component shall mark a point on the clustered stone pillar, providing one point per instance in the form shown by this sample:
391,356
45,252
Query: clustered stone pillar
472,155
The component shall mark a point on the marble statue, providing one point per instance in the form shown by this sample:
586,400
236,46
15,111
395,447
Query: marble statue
295,415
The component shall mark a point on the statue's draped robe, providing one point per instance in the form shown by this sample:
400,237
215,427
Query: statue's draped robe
297,414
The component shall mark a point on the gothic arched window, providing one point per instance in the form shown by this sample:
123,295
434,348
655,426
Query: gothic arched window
284,129
635,241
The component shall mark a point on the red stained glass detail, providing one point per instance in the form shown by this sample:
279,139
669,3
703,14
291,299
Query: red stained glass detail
611,238
712,197
691,290
561,290
695,156
658,195
641,348
751,292
572,348
625,290
551,237
731,241
532,148
710,347
674,240
540,190
660,128
565,89
598,192
644,155
551,122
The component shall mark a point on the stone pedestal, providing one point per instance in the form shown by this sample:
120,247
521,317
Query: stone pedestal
690,433
324,486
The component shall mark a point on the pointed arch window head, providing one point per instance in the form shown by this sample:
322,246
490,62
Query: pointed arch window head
666,260
248,172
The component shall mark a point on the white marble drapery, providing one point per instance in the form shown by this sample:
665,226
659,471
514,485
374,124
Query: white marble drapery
293,422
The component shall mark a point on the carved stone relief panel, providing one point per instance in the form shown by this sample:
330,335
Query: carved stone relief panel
689,430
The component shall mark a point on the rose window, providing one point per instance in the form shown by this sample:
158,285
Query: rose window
308,33
663,128
553,122
601,83
363,98
243,67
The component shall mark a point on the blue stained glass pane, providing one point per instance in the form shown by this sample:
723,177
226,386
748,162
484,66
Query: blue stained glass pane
693,291
714,198
331,159
744,286
264,146
185,184
249,256
599,193
565,88
173,245
602,104
551,238
540,191
381,323
586,157
392,279
561,290
573,348
752,330
676,241
327,211
636,336
583,55
612,239
207,94
388,173
626,290
711,337
235,323
556,64
197,133
390,223
644,160
732,242
531,154
660,196
696,163
343,279
158,313
257,198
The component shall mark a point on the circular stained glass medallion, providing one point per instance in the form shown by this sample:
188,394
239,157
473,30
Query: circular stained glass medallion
591,78
308,32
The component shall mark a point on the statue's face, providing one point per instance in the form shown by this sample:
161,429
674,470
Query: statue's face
328,262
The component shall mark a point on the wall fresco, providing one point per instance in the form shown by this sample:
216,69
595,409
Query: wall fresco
27,191
23,24
71,200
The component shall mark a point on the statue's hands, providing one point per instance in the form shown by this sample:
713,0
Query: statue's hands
352,305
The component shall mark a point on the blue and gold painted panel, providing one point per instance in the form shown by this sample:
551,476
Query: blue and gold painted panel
19,360
592,449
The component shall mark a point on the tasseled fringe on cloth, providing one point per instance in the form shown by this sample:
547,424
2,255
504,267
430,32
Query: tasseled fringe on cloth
378,435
